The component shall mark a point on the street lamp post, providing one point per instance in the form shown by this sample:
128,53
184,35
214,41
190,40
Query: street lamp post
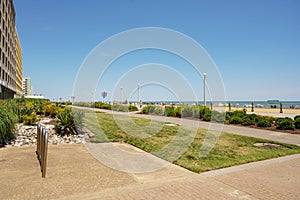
204,89
121,95
139,93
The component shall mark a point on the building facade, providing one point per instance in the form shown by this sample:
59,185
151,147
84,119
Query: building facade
10,73
26,87
19,67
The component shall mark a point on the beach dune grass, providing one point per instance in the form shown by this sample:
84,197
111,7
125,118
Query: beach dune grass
229,150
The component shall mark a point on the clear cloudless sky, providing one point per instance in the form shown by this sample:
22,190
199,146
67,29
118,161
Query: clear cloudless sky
254,43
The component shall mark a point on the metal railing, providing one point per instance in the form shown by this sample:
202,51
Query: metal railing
42,147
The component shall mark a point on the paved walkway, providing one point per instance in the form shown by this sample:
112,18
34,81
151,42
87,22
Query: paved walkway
74,173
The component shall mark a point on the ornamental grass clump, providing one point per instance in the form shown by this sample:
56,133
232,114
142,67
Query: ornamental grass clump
69,123
7,124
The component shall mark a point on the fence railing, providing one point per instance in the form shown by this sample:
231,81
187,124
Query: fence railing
42,147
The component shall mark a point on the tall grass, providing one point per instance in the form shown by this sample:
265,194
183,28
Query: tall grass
7,124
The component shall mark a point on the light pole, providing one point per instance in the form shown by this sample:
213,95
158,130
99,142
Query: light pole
139,93
204,89
121,94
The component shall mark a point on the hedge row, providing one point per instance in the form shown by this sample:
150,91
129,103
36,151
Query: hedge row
101,105
236,117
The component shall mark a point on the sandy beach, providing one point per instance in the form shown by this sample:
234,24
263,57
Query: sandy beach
269,111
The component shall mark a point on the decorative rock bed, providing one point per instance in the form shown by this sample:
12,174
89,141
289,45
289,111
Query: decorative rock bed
27,135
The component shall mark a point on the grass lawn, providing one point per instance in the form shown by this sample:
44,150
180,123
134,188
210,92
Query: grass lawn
152,136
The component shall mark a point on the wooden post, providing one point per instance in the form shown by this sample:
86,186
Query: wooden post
281,108
252,106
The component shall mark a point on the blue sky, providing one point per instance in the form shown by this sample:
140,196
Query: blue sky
254,44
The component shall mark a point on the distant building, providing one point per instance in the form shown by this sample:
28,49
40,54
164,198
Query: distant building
9,45
26,87
35,97
19,67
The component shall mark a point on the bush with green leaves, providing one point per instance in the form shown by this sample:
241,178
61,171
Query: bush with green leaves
218,116
69,123
195,112
83,104
297,117
186,111
7,124
51,109
102,105
156,110
285,124
235,120
207,116
264,122
248,121
204,110
132,108
145,110
169,111
252,117
297,123
124,108
30,119
178,112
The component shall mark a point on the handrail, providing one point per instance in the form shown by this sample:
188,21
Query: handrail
42,148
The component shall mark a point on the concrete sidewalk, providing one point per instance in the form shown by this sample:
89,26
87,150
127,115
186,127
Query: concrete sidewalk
73,173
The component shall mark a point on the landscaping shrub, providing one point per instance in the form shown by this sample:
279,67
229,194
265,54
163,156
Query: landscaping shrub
218,116
82,104
196,112
297,117
236,115
50,109
235,120
207,116
186,111
169,111
204,110
69,123
178,111
102,105
118,107
297,123
132,108
7,124
248,121
124,108
239,113
228,115
145,110
157,110
30,119
285,124
264,122
252,117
